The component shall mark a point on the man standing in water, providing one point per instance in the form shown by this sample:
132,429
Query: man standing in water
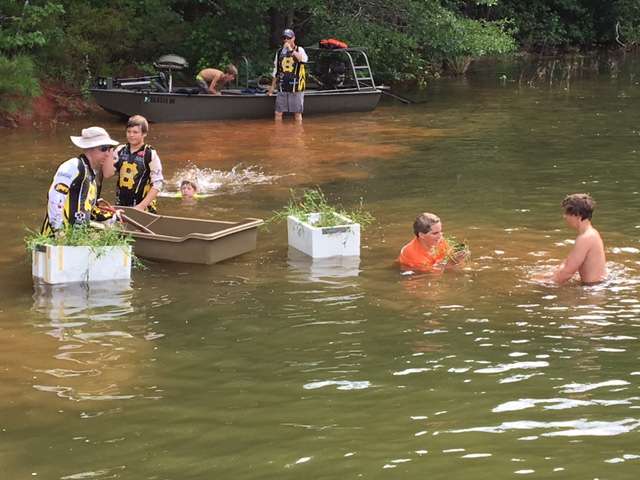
289,76
73,192
587,257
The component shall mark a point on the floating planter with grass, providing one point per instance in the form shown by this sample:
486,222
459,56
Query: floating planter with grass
80,254
320,230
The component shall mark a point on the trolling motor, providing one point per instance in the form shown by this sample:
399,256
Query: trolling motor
170,63
162,82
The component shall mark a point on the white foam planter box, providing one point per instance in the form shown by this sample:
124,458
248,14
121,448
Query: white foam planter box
323,242
57,264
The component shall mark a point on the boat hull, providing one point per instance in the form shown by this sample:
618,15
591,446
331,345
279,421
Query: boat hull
177,107
189,240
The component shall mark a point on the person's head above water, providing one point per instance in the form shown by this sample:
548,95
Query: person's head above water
428,228
188,189
579,205
424,223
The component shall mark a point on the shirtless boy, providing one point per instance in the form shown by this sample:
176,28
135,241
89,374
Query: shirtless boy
587,257
211,80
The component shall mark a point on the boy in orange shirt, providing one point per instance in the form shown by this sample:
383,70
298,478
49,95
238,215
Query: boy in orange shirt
428,250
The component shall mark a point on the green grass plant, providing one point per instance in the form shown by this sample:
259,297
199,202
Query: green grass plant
80,236
84,236
314,201
455,247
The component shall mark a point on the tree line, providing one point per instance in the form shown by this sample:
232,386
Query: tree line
74,41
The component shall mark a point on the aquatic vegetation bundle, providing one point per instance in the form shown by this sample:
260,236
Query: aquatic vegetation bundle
313,201
80,236
455,247
81,254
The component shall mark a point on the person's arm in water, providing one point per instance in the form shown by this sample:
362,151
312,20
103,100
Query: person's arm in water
573,262
456,260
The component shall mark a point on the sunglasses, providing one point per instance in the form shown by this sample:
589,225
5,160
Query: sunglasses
106,148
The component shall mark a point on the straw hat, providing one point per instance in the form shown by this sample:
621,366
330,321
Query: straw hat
93,137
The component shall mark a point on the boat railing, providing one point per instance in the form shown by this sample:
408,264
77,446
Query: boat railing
341,68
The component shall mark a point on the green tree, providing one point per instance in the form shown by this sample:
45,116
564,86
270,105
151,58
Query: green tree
24,29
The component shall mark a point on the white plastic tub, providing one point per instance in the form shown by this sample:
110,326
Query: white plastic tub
323,242
54,265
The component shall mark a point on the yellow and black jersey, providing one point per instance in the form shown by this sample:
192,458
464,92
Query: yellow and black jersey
138,172
291,73
72,196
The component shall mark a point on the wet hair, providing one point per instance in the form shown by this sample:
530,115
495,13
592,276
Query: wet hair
579,204
424,222
232,70
138,121
188,182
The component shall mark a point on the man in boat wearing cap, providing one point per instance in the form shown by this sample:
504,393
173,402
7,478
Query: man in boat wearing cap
138,169
73,193
289,77
211,80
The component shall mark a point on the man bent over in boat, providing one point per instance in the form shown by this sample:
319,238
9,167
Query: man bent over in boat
289,76
211,80
428,251
587,256
138,169
73,192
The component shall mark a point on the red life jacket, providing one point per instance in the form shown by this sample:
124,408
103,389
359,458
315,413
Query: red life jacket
332,44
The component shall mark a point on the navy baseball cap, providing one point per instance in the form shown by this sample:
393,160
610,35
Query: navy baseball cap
288,33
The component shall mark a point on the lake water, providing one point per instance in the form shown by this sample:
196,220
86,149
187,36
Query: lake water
271,366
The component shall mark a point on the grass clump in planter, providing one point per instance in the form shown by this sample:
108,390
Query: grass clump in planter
79,236
84,236
313,201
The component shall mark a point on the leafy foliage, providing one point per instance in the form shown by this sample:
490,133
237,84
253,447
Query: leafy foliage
80,236
18,82
313,201
407,40
26,26
455,249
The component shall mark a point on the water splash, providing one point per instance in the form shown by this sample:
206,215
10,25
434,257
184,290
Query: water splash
211,182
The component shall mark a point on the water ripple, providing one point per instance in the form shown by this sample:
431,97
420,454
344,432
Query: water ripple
340,384
570,428
512,366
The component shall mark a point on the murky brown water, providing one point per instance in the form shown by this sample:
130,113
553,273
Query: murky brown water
270,366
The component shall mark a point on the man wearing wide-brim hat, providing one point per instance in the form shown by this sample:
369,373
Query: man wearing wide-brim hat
73,192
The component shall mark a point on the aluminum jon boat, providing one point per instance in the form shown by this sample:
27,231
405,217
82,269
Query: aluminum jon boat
338,81
189,240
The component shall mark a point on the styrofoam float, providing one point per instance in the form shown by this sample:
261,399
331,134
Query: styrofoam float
324,242
60,264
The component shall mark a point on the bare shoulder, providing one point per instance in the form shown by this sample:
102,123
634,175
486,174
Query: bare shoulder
590,238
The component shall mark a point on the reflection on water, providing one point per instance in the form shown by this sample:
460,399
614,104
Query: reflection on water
92,356
317,269
273,364
99,301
